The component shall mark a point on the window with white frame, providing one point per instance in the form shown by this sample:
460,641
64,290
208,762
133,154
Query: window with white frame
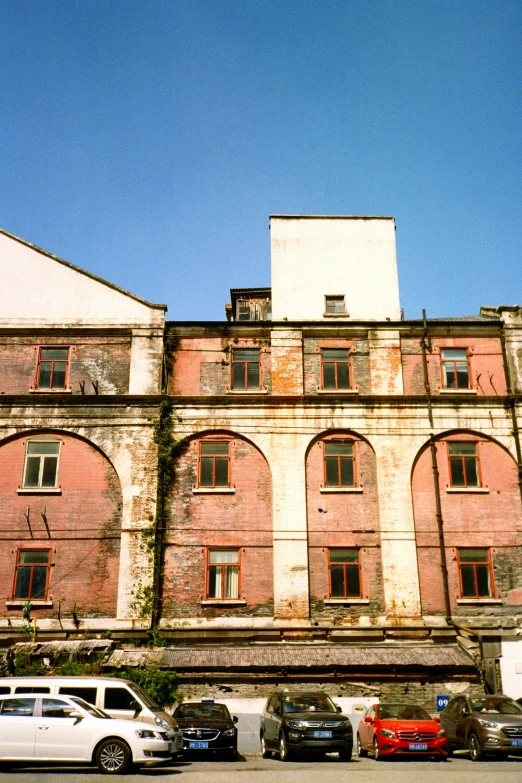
41,463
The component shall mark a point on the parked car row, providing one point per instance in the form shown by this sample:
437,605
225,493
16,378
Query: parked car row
115,725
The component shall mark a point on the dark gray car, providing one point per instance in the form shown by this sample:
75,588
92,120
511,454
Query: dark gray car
483,724
295,722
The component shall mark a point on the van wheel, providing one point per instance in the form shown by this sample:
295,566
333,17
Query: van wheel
113,757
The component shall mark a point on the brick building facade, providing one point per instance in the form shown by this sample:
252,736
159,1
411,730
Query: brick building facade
343,478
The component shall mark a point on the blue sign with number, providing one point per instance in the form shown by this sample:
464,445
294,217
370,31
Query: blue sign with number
442,701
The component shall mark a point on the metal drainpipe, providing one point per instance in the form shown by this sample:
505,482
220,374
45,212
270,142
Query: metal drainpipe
159,556
436,486
511,397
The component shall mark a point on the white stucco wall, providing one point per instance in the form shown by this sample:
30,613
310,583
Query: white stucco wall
511,668
315,256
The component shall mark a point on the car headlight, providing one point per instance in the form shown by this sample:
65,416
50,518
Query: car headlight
229,732
388,733
148,734
441,734
488,724
163,723
294,724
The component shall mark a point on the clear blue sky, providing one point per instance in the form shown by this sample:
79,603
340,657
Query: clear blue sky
149,141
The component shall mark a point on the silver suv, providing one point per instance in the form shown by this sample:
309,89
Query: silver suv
483,724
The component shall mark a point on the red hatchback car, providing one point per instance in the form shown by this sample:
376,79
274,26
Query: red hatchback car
389,730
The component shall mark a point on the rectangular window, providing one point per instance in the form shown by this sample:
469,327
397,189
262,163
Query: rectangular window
464,468
214,464
223,574
455,368
245,368
476,573
339,464
335,368
32,574
344,573
41,463
51,372
335,304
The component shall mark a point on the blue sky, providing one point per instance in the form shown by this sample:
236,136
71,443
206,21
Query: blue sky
148,142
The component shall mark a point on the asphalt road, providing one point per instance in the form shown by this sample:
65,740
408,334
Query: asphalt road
254,769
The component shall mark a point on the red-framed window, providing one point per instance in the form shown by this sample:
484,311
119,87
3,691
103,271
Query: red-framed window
41,463
475,573
31,579
455,368
340,469
214,463
334,303
335,368
344,573
52,368
246,368
464,464
223,574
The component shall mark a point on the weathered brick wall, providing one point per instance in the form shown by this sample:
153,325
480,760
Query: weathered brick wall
344,519
84,524
102,360
201,365
359,357
486,520
241,520
486,364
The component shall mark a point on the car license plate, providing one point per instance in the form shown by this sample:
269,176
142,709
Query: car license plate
418,746
198,745
323,734
516,743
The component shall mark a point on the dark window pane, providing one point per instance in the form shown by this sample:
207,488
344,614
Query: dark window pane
32,471
247,355
43,447
337,447
231,582
44,375
332,472
32,689
34,557
329,376
118,699
342,376
344,555
214,448
87,694
19,707
457,472
454,353
59,375
449,376
39,581
463,448
483,584
468,580
238,376
471,472
23,580
462,375
221,472
214,582
337,581
54,353
49,471
347,475
473,556
352,579
253,375
55,708
338,354
206,476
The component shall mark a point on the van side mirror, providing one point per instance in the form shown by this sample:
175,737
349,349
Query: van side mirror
136,706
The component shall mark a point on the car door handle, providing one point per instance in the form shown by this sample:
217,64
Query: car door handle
43,728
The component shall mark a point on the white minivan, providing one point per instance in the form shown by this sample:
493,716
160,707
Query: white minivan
121,699
48,729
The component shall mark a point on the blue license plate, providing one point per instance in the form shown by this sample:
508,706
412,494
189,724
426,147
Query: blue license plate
323,734
198,745
516,743
418,746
